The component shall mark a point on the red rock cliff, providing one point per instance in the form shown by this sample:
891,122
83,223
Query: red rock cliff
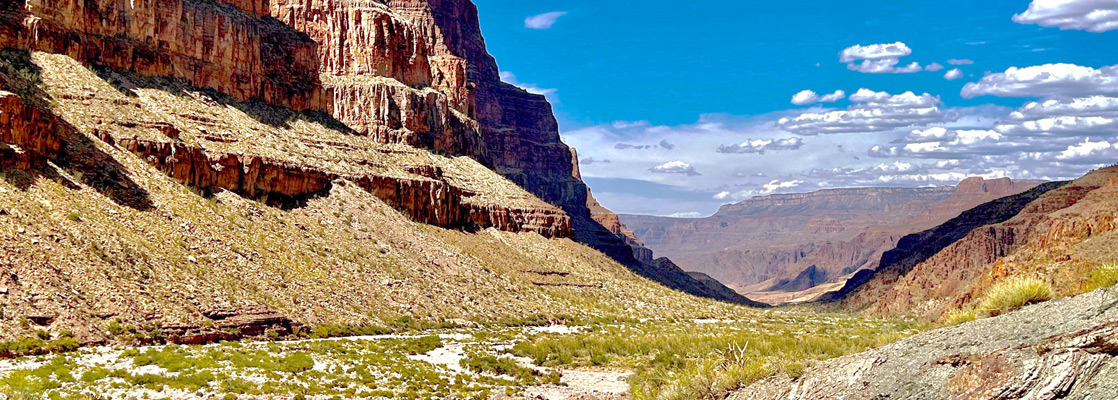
399,71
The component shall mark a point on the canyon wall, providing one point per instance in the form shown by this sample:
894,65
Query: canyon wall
780,248
412,72
1057,232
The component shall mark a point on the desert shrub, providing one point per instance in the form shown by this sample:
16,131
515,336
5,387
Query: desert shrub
18,178
1014,293
480,363
1105,276
422,345
956,317
296,363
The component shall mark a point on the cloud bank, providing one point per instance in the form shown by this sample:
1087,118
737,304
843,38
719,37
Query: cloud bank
1086,15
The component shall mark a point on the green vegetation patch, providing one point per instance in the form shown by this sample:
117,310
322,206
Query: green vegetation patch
1014,293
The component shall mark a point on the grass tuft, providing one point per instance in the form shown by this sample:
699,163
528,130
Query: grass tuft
1105,276
956,317
1014,293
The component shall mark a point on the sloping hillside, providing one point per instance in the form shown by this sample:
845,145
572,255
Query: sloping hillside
792,248
1063,349
197,170
411,72
108,234
1058,232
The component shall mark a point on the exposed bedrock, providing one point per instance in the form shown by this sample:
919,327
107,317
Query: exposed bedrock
28,136
225,46
422,199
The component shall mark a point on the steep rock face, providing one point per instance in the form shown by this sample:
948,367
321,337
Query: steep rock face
915,248
28,136
763,246
519,133
409,71
225,46
438,44
1057,236
1064,349
385,76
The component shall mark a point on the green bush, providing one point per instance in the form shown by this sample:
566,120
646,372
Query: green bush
296,363
506,366
1014,293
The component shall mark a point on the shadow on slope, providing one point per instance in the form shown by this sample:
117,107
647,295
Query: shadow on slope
78,153
918,247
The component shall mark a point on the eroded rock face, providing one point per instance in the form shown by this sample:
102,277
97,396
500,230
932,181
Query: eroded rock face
398,71
428,201
1046,237
765,247
225,46
28,136
1064,349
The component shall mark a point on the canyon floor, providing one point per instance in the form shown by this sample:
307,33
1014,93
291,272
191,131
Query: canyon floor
602,358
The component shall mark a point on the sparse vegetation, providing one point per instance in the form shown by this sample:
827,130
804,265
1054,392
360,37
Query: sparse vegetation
504,366
956,317
1012,294
671,359
685,360
1105,276
37,346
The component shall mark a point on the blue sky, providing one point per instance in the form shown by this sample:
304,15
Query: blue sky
669,91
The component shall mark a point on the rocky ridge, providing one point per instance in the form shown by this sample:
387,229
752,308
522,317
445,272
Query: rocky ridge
795,247
1058,232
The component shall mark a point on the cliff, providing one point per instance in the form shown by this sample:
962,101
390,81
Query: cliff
1058,232
192,217
262,166
767,247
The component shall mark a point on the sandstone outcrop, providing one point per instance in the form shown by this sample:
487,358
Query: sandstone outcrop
28,136
1065,349
225,46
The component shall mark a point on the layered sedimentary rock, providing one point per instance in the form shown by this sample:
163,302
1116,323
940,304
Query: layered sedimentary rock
780,248
412,72
225,46
1058,232
28,136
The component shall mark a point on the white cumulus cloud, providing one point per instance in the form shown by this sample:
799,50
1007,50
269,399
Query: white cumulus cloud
878,58
543,21
953,74
1048,80
1086,15
778,186
873,112
960,61
810,97
1090,153
1086,116
675,167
